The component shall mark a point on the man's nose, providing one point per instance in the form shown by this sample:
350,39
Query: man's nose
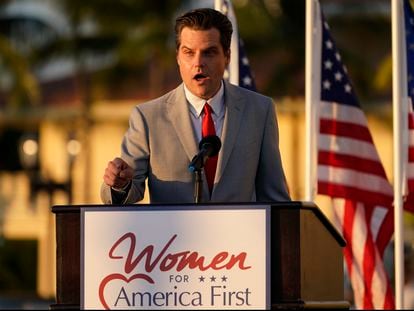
199,60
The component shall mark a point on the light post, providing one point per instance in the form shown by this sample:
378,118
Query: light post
33,163
29,157
73,147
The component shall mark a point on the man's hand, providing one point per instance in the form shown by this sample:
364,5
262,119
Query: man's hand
118,173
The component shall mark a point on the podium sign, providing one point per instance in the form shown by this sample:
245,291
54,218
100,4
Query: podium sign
175,257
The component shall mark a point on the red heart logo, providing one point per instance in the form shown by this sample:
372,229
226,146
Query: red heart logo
118,276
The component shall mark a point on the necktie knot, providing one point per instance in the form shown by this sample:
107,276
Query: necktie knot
207,108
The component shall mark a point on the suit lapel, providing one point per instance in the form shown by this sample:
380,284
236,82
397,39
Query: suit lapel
179,114
234,104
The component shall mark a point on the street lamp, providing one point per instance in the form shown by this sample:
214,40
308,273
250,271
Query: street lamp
29,157
73,148
30,151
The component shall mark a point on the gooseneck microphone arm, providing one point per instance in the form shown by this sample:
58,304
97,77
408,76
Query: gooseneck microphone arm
198,186
209,146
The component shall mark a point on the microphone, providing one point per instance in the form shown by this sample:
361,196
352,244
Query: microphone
209,146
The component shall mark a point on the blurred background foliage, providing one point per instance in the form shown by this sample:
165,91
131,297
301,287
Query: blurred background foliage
134,40
73,54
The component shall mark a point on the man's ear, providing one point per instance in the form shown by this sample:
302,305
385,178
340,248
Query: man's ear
177,59
228,57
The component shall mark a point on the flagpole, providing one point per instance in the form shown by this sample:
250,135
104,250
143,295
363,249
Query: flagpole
399,104
310,72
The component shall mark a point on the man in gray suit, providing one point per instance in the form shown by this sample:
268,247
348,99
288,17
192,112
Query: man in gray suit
164,133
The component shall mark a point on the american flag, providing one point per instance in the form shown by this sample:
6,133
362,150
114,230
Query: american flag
351,173
245,75
239,71
409,37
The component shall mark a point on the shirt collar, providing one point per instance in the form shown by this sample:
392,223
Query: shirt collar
216,102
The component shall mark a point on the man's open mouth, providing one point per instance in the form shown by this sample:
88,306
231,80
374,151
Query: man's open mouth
200,76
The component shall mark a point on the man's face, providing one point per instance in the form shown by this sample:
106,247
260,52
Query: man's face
202,61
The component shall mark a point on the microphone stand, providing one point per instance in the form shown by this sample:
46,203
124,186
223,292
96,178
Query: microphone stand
209,146
196,167
198,187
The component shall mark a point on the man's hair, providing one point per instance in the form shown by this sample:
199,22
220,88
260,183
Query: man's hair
204,19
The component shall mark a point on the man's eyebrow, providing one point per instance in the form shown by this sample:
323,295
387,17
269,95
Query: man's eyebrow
208,49
213,47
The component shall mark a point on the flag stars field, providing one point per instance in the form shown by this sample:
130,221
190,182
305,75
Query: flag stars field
338,76
326,85
338,57
329,45
247,80
328,64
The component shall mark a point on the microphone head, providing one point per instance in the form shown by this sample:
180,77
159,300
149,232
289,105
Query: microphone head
211,143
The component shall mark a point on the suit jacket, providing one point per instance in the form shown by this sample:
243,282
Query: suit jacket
160,143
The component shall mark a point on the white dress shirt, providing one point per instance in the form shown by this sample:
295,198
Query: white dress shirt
196,110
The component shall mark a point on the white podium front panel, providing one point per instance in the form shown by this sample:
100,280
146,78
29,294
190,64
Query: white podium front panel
172,257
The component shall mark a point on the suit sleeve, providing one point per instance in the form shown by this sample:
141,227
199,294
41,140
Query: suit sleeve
270,180
134,151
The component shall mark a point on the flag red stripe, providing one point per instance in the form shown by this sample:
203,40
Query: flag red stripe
410,184
411,154
410,120
409,201
347,227
352,193
351,162
368,263
389,298
345,129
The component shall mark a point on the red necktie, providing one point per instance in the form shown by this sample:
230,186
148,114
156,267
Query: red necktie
208,129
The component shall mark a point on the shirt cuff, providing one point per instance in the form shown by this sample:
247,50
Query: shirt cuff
120,194
124,189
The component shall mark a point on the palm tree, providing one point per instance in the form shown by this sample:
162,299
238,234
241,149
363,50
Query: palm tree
134,35
16,79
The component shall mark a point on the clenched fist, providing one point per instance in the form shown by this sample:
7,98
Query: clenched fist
118,173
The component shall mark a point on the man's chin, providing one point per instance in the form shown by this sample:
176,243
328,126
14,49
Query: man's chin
201,92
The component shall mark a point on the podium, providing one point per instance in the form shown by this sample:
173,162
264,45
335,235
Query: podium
306,259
